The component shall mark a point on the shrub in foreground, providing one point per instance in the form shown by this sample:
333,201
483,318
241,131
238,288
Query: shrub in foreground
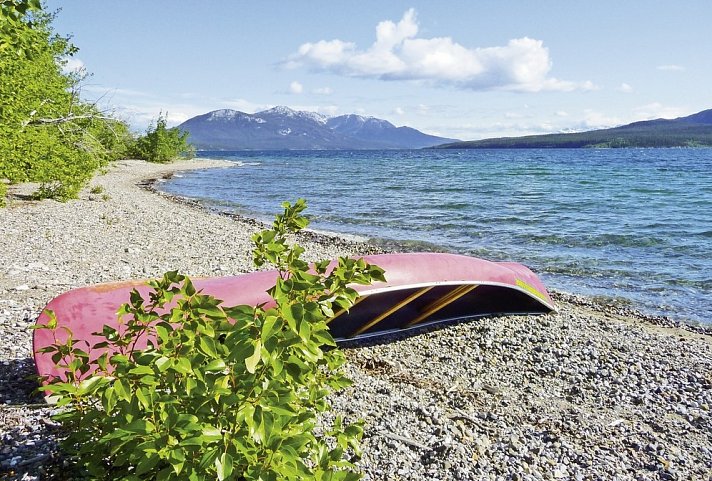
226,393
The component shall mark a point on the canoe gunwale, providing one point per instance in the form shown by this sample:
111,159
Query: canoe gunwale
426,324
420,285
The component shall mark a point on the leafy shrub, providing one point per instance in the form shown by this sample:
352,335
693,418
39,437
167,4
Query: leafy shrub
14,40
161,144
228,393
46,134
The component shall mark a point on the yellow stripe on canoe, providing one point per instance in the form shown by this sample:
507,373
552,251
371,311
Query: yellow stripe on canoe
531,289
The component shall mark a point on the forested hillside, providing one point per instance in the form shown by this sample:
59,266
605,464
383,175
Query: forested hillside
691,131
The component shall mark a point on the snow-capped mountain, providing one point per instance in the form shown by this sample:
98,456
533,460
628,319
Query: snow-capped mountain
282,128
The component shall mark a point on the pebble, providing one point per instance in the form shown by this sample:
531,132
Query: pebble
591,392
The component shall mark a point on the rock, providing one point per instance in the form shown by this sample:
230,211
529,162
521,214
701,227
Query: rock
592,392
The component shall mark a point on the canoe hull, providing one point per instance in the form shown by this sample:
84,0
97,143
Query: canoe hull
421,289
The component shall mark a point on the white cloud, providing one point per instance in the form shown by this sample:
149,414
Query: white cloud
72,65
399,111
398,54
598,120
296,88
656,110
671,68
562,113
625,88
323,91
241,104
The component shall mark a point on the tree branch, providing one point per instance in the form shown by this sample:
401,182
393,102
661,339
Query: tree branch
68,118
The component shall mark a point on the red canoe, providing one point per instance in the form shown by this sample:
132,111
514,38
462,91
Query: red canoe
421,289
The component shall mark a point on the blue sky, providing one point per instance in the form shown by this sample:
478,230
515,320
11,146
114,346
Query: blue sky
461,69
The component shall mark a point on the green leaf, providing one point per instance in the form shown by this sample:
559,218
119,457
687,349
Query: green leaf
52,322
194,441
147,464
140,426
216,365
177,459
209,458
270,326
223,466
163,363
89,385
211,433
207,346
143,398
141,370
304,330
122,389
182,365
251,362
109,399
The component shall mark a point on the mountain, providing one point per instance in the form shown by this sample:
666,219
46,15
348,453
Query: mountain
691,131
282,128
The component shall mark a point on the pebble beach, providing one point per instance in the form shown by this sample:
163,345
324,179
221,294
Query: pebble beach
592,392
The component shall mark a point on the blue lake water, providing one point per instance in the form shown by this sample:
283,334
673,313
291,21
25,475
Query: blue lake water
629,224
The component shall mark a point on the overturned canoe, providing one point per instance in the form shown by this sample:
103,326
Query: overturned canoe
421,289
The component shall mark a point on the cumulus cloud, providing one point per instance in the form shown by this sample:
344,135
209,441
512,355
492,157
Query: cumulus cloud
296,88
399,54
323,91
656,110
625,88
72,65
594,119
671,68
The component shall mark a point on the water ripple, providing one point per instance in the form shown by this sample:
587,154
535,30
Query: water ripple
625,223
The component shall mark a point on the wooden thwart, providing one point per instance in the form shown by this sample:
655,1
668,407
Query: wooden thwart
441,303
393,309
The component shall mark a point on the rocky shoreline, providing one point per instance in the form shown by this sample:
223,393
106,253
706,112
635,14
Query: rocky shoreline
591,392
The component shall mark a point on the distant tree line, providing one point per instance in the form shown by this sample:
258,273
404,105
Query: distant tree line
654,134
48,135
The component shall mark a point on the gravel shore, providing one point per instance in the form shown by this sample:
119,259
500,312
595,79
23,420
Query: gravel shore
591,392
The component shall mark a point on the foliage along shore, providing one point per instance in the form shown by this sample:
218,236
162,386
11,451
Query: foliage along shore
48,135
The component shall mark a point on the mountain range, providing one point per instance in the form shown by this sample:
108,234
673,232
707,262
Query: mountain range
282,128
691,131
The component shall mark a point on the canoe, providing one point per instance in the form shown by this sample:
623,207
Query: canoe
421,289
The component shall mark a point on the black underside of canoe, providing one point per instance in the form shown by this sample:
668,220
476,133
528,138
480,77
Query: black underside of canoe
390,311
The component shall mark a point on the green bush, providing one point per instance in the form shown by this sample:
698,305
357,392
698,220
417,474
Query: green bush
227,393
161,144
14,41
47,135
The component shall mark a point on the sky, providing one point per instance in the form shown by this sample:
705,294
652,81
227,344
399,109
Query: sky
459,69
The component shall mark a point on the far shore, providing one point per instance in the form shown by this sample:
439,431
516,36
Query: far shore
592,392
